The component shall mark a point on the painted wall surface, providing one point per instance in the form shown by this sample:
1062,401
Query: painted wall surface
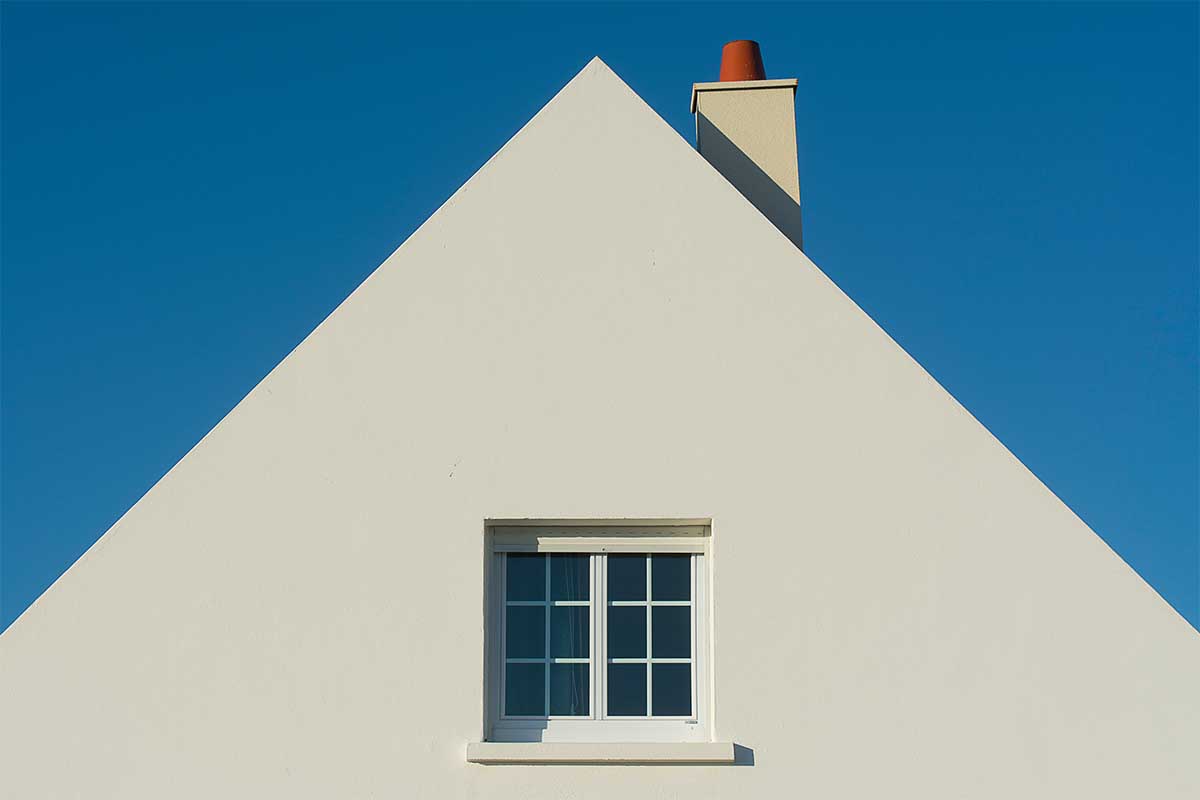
597,325
749,135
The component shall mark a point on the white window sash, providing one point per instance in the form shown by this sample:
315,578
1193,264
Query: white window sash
598,726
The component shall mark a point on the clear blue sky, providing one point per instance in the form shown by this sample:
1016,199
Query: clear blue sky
1010,190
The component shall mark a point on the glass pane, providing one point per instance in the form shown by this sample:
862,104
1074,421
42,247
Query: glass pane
626,577
569,690
672,631
526,576
672,690
525,690
525,632
627,690
569,631
671,578
626,631
569,577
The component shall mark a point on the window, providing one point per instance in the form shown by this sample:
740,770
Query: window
597,632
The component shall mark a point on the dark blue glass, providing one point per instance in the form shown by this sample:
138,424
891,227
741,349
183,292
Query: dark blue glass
569,578
671,577
526,576
569,690
671,633
627,690
672,690
569,631
626,631
525,632
626,577
525,690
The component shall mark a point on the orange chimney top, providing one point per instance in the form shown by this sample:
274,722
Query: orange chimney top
741,60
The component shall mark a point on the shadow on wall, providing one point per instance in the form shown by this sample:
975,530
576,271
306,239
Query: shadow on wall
748,178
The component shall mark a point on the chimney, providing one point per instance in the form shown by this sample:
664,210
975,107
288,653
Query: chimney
746,128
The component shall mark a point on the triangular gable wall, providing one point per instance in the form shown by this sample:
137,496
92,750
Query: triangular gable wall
597,325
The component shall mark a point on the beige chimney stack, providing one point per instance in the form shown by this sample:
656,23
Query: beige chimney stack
747,130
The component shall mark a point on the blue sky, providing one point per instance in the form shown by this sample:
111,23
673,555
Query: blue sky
1010,190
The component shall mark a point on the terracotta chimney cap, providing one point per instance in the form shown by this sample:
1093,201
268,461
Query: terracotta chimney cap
741,60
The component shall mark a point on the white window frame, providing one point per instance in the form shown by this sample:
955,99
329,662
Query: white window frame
599,538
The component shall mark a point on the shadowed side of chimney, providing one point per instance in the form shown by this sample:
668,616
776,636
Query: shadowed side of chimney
746,128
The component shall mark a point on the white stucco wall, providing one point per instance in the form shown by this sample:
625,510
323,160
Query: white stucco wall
597,325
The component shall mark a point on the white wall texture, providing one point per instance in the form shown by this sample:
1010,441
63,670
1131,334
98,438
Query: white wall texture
597,325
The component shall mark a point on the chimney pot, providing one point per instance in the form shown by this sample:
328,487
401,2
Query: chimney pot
741,60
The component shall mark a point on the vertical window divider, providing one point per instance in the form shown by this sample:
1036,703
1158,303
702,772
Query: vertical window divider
546,634
649,637
599,629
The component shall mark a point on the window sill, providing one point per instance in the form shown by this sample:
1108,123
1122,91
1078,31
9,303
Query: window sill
601,753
